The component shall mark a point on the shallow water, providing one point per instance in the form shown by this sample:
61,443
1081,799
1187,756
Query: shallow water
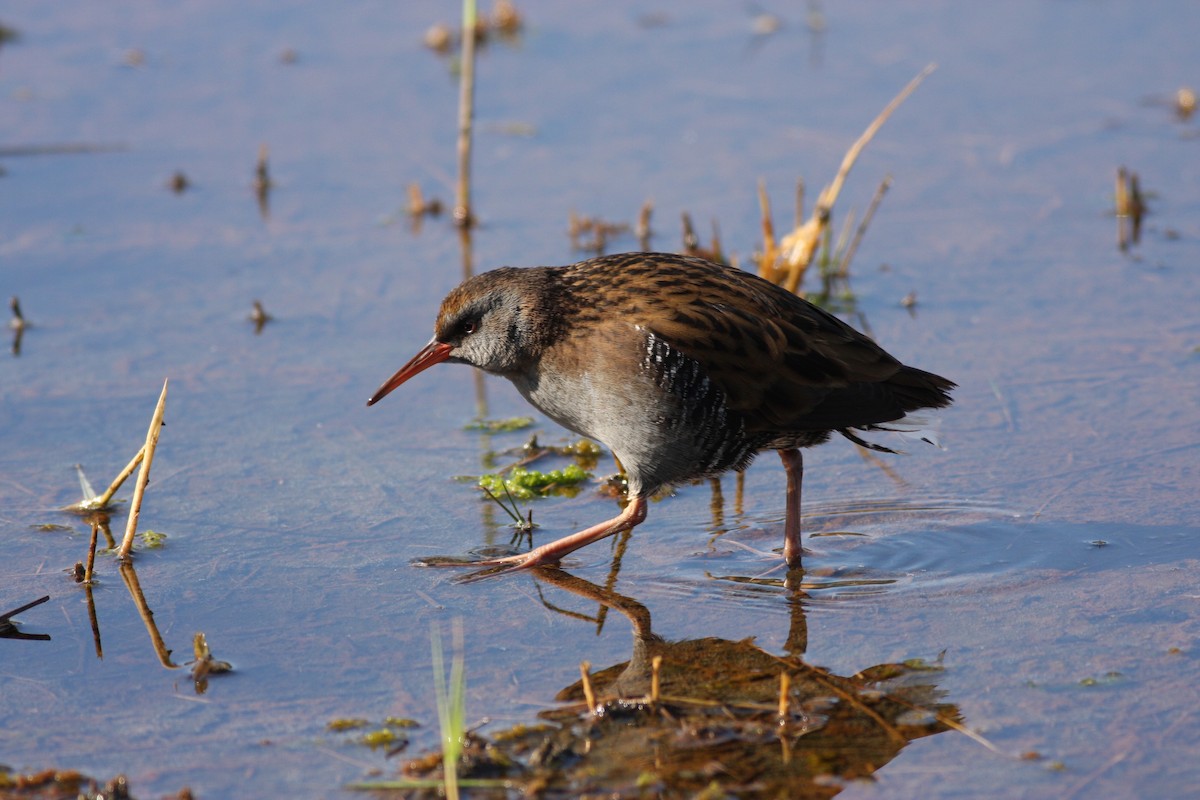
1051,550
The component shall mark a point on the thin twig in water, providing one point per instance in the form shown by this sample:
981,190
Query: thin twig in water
135,508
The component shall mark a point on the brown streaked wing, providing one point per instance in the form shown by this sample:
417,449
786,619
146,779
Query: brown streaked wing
775,356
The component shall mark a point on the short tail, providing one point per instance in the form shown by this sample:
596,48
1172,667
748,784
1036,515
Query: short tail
912,390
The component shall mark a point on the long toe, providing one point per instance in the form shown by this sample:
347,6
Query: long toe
504,566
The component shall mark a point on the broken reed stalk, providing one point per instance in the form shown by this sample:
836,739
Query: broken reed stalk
799,246
785,686
589,695
135,508
655,668
466,112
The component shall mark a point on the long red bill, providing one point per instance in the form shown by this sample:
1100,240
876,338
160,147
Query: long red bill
433,353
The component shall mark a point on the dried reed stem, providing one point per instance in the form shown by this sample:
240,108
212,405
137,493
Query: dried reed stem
135,508
589,695
103,500
466,112
655,668
799,246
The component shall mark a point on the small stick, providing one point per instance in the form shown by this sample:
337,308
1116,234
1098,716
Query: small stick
466,112
588,695
135,508
655,666
6,616
8,628
785,685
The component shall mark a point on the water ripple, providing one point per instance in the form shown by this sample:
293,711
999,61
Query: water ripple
863,548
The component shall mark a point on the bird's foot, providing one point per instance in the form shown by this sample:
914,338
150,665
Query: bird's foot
493,563
547,554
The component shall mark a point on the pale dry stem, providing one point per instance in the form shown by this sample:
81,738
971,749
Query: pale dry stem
135,507
786,262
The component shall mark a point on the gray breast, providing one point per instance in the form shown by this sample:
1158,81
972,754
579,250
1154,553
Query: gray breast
666,421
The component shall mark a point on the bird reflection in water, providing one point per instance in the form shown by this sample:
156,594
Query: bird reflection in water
679,717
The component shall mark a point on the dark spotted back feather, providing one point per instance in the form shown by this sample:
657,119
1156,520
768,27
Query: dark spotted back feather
782,364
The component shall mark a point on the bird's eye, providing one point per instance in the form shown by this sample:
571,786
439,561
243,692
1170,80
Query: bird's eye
470,327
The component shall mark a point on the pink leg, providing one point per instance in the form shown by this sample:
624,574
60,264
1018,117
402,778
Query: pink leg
550,553
793,464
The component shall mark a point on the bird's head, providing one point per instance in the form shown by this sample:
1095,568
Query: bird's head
489,321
